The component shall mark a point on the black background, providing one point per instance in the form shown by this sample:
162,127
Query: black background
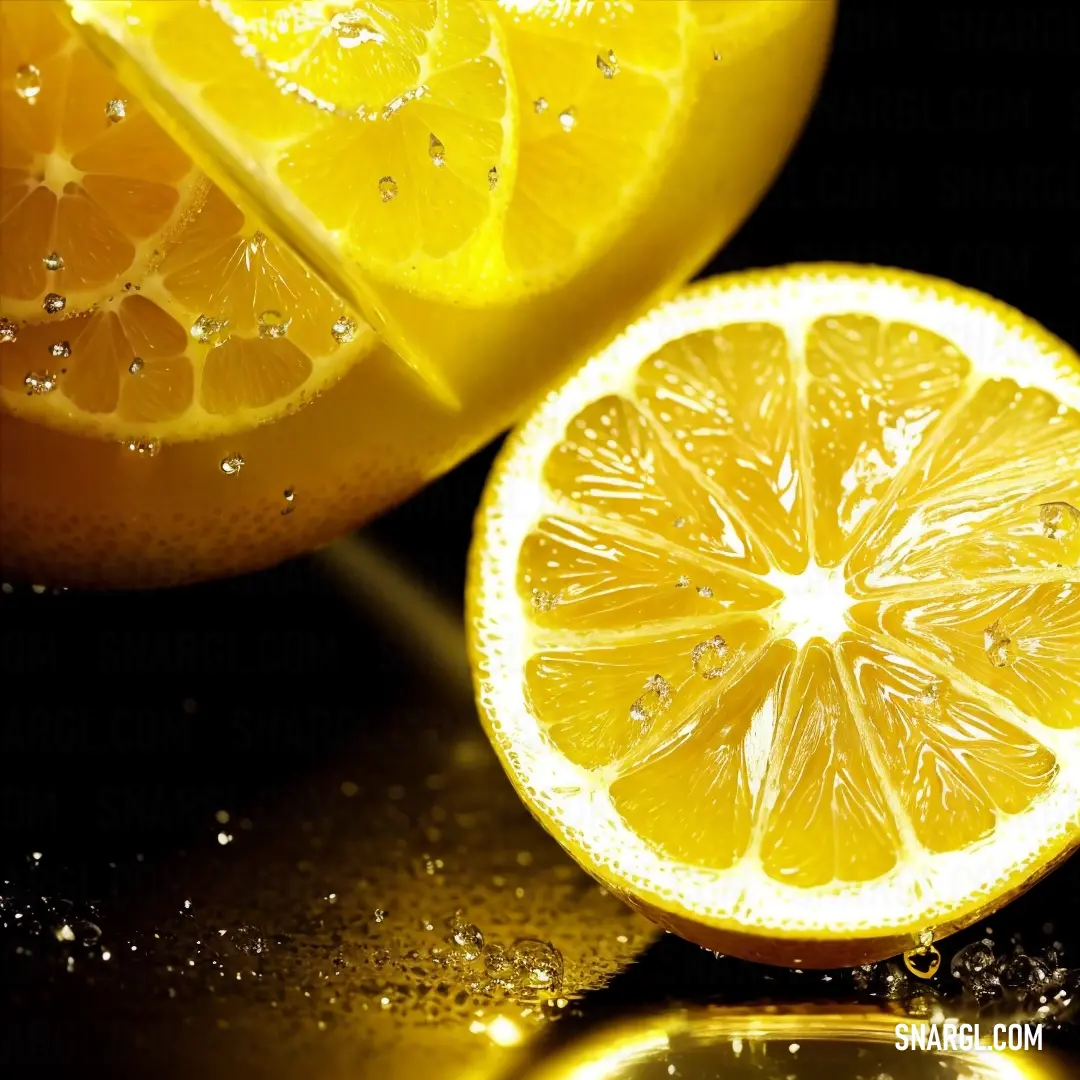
945,141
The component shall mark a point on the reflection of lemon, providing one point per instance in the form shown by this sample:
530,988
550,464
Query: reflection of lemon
802,1043
776,611
489,148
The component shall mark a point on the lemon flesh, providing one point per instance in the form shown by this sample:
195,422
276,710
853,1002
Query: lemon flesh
775,611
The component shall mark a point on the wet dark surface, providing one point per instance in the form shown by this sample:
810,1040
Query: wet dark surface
323,707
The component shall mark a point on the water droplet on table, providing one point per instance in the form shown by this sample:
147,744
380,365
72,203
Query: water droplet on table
536,965
975,966
466,936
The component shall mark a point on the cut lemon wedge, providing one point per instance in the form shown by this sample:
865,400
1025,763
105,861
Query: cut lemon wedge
89,184
465,151
225,331
775,611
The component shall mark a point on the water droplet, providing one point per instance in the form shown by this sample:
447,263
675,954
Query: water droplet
344,330
1059,520
609,68
9,332
653,703
567,119
924,960
28,82
996,641
711,658
115,110
249,940
716,55
53,303
930,698
683,583
976,968
380,915
1024,973
705,591
352,28
144,447
497,963
273,325
210,332
436,151
40,382
679,522
888,981
54,261
61,349
540,105
466,936
537,965
493,178
388,188
136,365
545,601
231,464
290,496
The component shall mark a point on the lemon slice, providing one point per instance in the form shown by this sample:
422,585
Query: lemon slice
490,150
89,184
227,331
775,611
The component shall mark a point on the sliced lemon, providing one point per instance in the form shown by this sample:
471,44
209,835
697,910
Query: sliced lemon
775,611
465,151
89,184
227,331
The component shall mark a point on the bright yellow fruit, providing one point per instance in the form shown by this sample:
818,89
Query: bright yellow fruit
89,184
466,150
84,500
138,303
223,330
775,611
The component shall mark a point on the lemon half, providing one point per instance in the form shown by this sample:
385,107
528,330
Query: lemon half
774,610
